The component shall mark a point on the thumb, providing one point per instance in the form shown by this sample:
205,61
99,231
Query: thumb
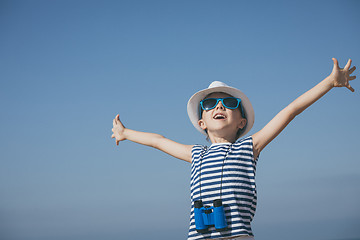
347,66
336,63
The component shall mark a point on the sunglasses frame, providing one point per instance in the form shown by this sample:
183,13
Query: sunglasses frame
222,102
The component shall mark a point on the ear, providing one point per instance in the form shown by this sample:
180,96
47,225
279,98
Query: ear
202,124
242,123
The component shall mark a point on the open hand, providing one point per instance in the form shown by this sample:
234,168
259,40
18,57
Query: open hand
341,76
118,130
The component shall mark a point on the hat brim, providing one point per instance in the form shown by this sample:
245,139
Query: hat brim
193,106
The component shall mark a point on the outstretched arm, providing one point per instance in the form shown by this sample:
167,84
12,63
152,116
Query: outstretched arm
178,150
338,78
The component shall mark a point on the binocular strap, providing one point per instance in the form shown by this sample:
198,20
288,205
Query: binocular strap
222,168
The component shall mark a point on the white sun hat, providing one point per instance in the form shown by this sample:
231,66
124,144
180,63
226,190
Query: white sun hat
193,106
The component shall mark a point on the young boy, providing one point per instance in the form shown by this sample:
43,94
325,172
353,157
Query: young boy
223,175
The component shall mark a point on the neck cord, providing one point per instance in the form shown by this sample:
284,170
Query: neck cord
222,168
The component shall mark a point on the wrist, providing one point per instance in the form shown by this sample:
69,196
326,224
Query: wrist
125,133
329,81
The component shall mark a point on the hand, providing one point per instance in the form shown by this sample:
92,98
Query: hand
341,76
118,130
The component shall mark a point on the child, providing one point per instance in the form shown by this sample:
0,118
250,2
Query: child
223,175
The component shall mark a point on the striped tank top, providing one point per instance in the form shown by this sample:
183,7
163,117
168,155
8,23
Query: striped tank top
234,166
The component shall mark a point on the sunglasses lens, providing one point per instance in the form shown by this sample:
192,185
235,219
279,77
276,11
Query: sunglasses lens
209,103
231,103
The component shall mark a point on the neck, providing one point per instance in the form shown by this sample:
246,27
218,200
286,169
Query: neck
217,139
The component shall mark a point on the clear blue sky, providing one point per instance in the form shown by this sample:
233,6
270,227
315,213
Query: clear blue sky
68,67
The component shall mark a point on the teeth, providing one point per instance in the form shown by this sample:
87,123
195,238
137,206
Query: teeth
219,116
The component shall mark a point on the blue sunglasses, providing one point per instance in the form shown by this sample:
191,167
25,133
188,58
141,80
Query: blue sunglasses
228,102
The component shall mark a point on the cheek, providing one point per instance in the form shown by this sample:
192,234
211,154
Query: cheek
236,116
206,115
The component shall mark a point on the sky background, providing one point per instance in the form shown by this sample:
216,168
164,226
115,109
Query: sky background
68,67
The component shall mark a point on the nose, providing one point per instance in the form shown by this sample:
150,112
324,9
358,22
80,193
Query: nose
220,106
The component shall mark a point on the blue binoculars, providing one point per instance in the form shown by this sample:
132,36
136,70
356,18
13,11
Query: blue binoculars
206,216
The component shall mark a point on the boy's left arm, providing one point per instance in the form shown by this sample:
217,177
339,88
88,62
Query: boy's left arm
339,77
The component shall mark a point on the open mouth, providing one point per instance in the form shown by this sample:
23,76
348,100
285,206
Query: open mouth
219,116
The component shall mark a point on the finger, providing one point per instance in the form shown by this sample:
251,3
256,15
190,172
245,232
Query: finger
350,88
113,136
117,142
116,118
118,121
352,78
352,70
347,66
114,122
336,63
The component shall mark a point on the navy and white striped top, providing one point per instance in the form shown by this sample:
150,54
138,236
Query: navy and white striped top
238,185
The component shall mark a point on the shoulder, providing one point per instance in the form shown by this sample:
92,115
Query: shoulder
246,147
198,149
244,142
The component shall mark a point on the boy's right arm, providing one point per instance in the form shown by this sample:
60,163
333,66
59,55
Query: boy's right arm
178,150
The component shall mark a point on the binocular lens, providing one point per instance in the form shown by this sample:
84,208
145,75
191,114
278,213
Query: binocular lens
198,204
217,203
